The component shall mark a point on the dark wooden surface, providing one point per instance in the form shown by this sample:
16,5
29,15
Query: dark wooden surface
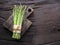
45,29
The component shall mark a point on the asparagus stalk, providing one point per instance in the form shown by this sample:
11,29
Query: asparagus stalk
18,13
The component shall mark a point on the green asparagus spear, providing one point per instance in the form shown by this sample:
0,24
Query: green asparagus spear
18,13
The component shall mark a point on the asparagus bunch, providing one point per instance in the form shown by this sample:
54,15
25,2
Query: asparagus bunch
18,16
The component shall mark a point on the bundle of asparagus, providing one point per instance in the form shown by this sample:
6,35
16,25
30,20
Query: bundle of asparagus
18,16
